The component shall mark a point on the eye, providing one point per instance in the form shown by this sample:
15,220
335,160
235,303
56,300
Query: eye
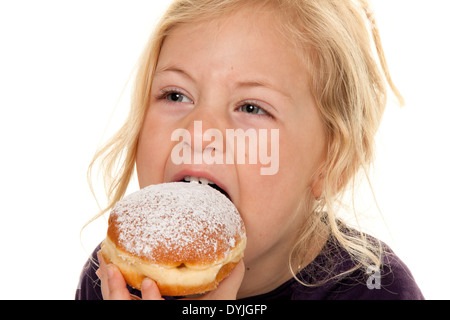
177,97
252,108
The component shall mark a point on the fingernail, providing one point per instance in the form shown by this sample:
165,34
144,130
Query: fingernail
146,284
100,258
109,271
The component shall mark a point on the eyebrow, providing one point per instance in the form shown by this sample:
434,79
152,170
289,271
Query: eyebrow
263,84
259,83
175,69
239,84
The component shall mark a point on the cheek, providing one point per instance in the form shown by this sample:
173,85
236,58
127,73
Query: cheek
269,205
274,207
304,152
153,150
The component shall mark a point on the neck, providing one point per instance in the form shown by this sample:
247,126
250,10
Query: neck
268,272
264,276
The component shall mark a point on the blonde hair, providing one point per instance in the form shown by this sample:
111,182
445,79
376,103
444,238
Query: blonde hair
349,83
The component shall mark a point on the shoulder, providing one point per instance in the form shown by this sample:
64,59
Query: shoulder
89,287
391,281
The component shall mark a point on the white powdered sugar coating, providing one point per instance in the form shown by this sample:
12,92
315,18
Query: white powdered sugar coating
185,221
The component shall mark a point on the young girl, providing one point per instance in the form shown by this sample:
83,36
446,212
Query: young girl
303,69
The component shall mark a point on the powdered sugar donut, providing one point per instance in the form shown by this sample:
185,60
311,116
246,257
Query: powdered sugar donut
186,237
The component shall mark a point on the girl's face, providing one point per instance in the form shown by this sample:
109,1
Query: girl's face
239,72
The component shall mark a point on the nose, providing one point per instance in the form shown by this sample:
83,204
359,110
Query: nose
205,131
204,143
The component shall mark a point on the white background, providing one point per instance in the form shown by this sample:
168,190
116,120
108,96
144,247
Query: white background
64,66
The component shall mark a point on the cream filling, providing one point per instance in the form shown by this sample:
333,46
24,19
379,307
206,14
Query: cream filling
187,275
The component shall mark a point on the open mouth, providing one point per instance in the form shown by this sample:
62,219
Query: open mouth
192,179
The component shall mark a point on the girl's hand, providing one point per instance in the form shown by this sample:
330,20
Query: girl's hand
114,285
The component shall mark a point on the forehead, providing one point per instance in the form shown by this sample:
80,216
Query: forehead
247,42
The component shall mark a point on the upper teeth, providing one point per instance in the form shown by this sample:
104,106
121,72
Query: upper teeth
192,179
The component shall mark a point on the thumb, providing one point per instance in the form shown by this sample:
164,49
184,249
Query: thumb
229,287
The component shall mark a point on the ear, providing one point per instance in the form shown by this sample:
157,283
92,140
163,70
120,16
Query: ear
317,185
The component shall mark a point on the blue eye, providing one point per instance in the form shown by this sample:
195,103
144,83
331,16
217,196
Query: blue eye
177,97
252,109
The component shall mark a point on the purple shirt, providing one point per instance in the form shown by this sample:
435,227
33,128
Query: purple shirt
393,281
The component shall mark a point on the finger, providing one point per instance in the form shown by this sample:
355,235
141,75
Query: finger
150,290
113,285
116,284
229,287
102,274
